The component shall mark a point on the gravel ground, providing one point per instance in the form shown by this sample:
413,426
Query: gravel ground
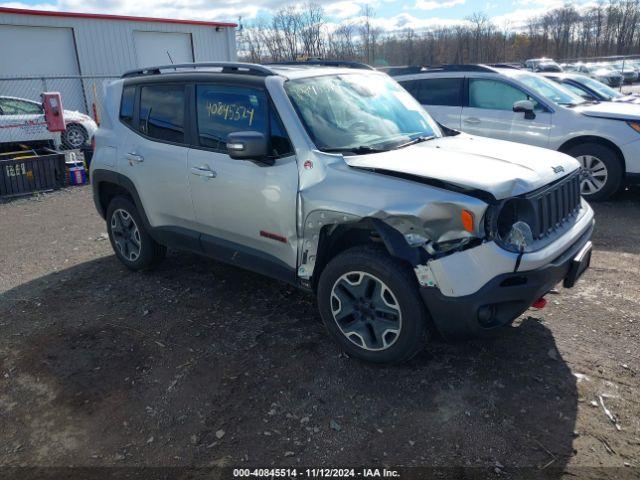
202,364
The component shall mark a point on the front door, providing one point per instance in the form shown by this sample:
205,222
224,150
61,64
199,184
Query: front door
490,114
245,209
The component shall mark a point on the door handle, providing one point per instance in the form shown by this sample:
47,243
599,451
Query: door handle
134,158
203,172
472,120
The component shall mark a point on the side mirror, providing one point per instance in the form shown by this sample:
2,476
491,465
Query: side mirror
525,106
248,145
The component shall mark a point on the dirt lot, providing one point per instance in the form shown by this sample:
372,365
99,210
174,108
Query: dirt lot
198,363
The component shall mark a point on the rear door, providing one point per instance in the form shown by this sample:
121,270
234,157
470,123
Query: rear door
153,152
489,113
440,96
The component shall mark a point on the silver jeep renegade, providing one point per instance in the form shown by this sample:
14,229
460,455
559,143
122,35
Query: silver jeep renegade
334,179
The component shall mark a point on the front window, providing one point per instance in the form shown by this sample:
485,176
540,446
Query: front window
494,94
224,109
359,113
551,90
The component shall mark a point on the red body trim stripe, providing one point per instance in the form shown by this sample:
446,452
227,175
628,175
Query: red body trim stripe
23,125
273,236
100,16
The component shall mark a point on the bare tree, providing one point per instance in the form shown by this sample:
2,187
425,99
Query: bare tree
302,30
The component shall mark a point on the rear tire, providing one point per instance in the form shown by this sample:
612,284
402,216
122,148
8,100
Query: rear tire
602,169
131,243
370,303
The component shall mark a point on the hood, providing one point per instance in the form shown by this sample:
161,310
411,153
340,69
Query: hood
606,72
75,115
614,110
631,98
502,169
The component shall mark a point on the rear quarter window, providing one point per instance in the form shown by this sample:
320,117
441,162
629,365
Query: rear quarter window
126,105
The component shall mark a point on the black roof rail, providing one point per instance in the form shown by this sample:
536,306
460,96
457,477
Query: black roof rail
467,68
442,68
226,67
514,66
392,71
325,63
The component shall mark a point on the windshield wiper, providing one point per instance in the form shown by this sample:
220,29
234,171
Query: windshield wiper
420,139
360,150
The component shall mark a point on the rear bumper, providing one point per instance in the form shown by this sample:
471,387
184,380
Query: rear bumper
501,300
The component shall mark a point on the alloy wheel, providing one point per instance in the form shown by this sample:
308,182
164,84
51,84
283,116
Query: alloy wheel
74,137
366,311
126,234
594,174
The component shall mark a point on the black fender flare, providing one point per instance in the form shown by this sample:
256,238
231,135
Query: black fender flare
108,176
396,244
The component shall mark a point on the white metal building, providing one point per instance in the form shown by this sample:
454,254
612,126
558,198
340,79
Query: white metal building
47,46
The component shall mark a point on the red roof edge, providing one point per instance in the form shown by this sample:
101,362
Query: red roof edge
99,16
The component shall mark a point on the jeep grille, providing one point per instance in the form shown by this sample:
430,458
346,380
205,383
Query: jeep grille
555,204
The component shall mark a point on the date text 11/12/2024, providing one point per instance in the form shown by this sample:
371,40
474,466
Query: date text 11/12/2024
315,473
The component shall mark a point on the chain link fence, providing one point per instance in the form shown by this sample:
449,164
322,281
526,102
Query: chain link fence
22,115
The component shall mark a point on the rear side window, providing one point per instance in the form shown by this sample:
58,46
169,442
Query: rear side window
162,112
439,91
411,86
14,106
223,109
126,105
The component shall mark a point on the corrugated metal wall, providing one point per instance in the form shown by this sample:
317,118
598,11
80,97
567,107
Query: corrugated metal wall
106,47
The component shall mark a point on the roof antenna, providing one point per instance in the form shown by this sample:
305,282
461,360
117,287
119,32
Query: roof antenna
171,60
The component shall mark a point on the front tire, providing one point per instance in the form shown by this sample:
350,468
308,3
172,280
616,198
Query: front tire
371,306
131,243
601,168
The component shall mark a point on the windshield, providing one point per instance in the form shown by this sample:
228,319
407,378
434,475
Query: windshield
359,113
551,90
600,87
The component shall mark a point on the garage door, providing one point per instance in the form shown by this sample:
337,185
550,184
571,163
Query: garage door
41,52
161,48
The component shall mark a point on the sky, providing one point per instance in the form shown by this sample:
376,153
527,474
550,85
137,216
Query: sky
389,14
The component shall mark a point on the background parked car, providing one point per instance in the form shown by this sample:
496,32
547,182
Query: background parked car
627,70
549,66
542,64
603,74
590,89
525,107
23,120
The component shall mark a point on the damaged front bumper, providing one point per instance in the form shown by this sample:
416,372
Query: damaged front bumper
504,296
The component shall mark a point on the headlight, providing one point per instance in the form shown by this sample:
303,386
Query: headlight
520,235
635,126
511,224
